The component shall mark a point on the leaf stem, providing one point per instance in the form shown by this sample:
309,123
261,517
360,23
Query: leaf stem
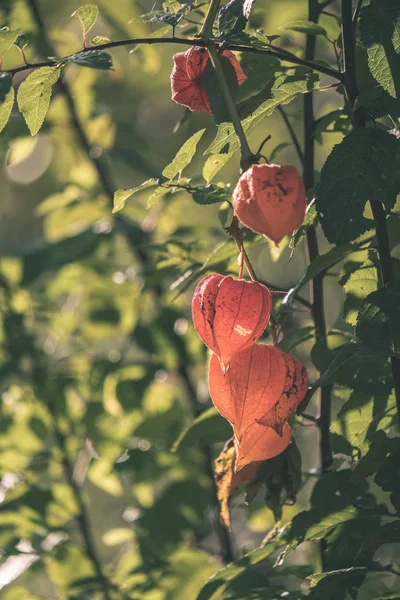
206,31
276,52
382,236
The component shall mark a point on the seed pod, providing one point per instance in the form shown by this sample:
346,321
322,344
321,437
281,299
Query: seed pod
230,314
185,77
294,391
261,443
258,393
250,388
270,200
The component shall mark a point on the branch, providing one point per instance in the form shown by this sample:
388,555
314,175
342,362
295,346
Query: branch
382,237
292,134
324,419
276,52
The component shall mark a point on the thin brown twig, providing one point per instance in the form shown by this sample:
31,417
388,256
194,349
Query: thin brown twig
275,52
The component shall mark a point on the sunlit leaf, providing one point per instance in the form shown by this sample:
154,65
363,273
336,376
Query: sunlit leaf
34,96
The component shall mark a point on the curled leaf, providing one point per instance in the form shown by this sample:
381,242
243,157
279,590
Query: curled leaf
230,314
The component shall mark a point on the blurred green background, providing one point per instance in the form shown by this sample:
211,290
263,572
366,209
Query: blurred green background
101,368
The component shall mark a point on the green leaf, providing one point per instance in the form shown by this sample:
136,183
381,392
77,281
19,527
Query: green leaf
319,265
5,85
310,220
166,17
277,150
232,17
184,156
380,34
345,354
6,108
214,589
94,59
7,39
87,15
333,584
34,96
211,194
99,40
361,417
209,82
361,168
121,196
208,428
214,164
21,41
378,323
284,90
384,534
260,71
307,27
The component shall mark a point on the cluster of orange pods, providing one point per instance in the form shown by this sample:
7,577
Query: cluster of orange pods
255,387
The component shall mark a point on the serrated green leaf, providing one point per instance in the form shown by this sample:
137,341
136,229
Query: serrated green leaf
208,428
184,156
5,85
121,196
284,90
232,17
361,416
209,82
210,194
6,108
363,281
34,96
214,164
94,59
380,34
307,27
87,15
378,323
7,39
361,168
21,41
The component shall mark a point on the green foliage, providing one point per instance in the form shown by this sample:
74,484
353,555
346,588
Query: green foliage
34,96
379,26
87,16
7,39
108,434
94,59
184,156
361,168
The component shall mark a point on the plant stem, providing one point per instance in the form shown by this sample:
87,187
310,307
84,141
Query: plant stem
276,52
206,31
247,158
324,419
382,237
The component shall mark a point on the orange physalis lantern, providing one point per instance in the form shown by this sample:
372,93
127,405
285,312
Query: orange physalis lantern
257,394
185,77
270,200
230,314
